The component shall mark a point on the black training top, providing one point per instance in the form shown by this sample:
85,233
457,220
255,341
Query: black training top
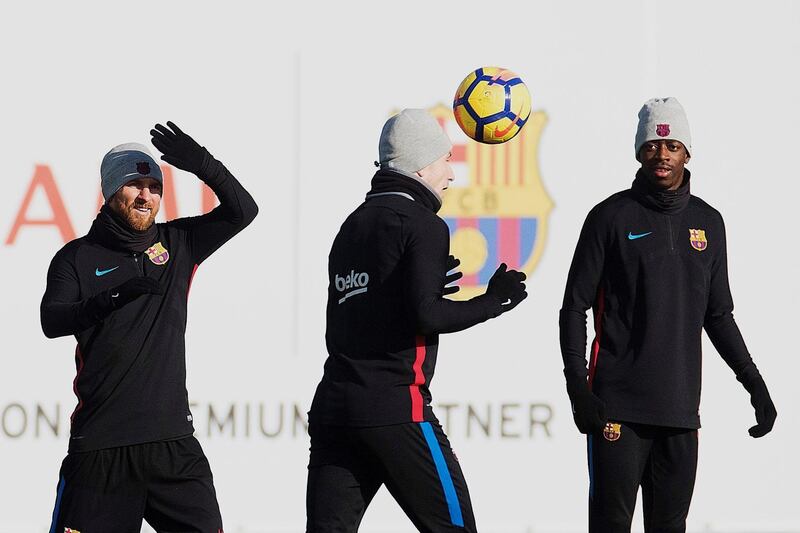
385,309
653,267
131,368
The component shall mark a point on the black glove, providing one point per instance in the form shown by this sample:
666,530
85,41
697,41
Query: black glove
507,286
760,400
127,292
452,262
179,149
588,411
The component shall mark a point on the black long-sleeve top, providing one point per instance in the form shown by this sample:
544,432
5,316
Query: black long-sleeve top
653,267
130,362
385,308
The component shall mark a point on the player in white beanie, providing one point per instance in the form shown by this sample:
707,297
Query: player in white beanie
663,142
663,118
371,421
651,263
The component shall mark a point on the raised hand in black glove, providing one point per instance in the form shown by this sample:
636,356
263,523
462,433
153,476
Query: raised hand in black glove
507,286
760,400
179,149
588,411
452,262
127,292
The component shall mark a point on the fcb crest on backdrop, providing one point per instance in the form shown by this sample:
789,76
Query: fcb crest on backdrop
497,209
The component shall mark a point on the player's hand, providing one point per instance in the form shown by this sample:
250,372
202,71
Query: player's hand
507,286
452,262
588,411
765,409
128,291
179,149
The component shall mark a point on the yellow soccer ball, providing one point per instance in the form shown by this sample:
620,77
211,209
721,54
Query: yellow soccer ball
491,105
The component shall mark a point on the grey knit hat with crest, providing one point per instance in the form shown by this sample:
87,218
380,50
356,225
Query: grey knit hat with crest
126,162
663,118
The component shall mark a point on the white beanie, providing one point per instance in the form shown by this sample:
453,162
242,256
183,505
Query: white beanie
663,118
411,140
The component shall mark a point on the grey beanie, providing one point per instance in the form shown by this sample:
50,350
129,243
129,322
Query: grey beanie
412,140
663,118
124,163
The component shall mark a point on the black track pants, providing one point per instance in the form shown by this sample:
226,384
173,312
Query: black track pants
169,484
663,461
413,460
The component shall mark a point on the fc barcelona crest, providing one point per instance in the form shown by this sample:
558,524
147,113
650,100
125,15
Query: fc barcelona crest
497,208
157,254
662,130
698,239
612,431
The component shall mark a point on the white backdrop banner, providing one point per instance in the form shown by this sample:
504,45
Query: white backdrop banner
292,100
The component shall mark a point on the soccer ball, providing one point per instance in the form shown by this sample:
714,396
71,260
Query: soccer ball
491,105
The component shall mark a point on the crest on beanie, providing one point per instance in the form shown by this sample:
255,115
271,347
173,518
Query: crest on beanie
662,130
143,168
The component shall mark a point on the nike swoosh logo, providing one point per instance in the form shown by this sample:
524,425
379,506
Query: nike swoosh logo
506,302
632,237
98,272
500,133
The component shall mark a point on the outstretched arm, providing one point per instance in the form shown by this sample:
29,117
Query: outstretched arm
426,265
237,208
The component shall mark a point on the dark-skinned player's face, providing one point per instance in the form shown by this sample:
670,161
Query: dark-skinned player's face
663,162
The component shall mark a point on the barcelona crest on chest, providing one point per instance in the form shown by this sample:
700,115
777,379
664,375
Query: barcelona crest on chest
697,238
158,254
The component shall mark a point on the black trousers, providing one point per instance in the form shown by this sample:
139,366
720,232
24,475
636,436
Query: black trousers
413,460
169,484
663,461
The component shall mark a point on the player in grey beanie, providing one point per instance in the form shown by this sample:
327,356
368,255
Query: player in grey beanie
410,141
651,262
126,162
663,118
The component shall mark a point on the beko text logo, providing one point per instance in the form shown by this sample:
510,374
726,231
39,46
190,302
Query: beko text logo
351,284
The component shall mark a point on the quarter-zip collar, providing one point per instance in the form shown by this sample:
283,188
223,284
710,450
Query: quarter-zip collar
663,201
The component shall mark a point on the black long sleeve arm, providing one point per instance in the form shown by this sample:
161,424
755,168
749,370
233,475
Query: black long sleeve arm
236,210
719,322
62,312
426,269
580,293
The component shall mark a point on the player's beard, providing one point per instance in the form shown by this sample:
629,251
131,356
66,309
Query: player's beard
135,219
